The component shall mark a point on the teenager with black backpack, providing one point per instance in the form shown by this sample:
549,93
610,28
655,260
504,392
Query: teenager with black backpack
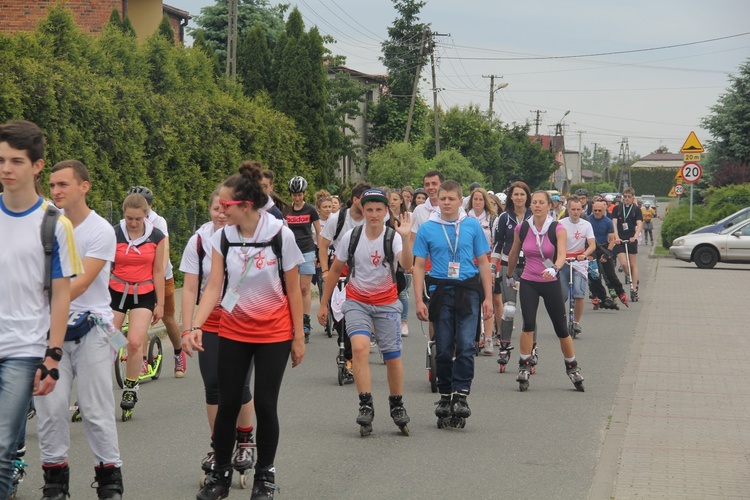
373,253
255,262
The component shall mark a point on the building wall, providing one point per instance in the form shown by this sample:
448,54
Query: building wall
178,34
145,15
24,15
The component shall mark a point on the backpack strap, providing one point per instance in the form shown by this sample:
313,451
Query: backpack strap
340,223
201,256
49,222
524,231
353,242
551,234
275,244
390,234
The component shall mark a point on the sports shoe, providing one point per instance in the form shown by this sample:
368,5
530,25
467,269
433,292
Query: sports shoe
144,367
577,328
624,299
488,350
404,329
373,344
596,303
180,364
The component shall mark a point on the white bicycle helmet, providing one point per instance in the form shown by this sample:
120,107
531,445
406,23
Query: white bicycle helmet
610,198
143,191
503,198
647,204
298,184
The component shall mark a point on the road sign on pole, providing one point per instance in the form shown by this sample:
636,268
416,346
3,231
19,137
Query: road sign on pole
691,172
679,189
692,144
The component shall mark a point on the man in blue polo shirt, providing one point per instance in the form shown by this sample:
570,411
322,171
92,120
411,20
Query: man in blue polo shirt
457,289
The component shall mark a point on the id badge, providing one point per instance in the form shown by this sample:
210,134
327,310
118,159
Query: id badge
230,300
625,226
117,340
454,270
548,263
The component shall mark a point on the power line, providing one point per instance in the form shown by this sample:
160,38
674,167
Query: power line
597,54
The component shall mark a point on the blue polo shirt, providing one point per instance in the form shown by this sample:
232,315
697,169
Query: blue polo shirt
602,228
431,241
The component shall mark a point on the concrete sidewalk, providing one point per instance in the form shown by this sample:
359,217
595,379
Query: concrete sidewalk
680,425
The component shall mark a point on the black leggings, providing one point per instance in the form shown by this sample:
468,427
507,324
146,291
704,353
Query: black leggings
550,291
208,362
270,363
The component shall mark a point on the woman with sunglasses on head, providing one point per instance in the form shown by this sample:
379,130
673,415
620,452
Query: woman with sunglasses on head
261,321
543,242
137,286
196,264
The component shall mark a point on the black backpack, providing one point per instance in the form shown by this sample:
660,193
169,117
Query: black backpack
201,256
49,222
551,234
274,243
340,223
397,272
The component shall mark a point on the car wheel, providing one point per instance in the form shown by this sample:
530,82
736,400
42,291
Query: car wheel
706,257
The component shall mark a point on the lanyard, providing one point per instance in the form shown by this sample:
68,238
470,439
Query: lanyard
625,215
454,251
540,242
248,260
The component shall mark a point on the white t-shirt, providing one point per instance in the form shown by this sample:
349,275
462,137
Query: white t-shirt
24,306
578,233
484,221
422,214
372,282
160,223
261,313
189,263
330,228
95,238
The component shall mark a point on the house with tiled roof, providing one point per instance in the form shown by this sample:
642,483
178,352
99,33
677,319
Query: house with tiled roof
91,15
660,159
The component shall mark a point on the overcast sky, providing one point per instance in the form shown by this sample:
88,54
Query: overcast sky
653,97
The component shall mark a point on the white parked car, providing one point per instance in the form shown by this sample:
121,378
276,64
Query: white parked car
732,245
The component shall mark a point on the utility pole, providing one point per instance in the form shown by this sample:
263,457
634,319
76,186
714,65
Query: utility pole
232,40
580,156
492,91
624,158
435,90
416,85
537,122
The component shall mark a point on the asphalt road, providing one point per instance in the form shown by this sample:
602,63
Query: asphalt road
543,443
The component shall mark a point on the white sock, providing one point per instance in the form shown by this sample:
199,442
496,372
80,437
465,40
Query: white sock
570,360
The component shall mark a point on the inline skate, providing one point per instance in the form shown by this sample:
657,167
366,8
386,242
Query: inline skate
398,413
244,456
574,372
524,373
366,414
503,356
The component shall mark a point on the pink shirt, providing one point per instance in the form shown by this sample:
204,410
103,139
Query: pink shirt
534,267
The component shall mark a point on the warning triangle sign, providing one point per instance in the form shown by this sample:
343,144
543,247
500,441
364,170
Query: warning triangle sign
692,145
672,194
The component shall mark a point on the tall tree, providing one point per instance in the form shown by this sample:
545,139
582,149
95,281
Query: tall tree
214,18
254,61
199,43
729,122
165,29
401,58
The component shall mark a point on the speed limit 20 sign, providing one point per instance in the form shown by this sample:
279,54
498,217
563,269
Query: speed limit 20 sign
691,172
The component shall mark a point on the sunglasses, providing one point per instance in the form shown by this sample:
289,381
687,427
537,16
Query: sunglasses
223,204
598,210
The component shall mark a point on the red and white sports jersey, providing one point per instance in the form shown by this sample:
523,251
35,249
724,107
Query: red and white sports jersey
262,313
372,282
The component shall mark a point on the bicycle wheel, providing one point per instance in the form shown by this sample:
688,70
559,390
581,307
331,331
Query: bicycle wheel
155,357
433,371
121,366
329,325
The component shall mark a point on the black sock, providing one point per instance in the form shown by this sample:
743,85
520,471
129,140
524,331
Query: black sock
177,352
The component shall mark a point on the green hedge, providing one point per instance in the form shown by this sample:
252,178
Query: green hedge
719,203
656,181
151,114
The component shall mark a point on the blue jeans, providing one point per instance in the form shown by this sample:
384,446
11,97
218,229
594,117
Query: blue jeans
404,298
456,329
16,386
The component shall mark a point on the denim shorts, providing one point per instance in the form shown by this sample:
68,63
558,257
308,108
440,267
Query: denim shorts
580,282
308,267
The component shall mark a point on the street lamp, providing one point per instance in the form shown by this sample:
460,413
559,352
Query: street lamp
492,94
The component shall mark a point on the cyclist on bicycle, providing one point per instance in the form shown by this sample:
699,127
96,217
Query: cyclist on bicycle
137,286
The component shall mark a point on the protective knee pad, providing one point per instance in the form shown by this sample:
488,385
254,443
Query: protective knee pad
509,310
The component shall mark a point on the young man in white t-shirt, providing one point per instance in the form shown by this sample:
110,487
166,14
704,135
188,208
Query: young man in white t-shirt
581,243
32,326
87,358
372,305
170,323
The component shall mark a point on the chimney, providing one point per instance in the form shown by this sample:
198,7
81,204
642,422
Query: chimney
659,151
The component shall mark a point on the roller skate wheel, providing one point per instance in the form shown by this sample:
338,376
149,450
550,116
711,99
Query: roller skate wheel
405,429
502,368
365,430
202,480
461,423
579,386
532,371
243,478
441,423
522,386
